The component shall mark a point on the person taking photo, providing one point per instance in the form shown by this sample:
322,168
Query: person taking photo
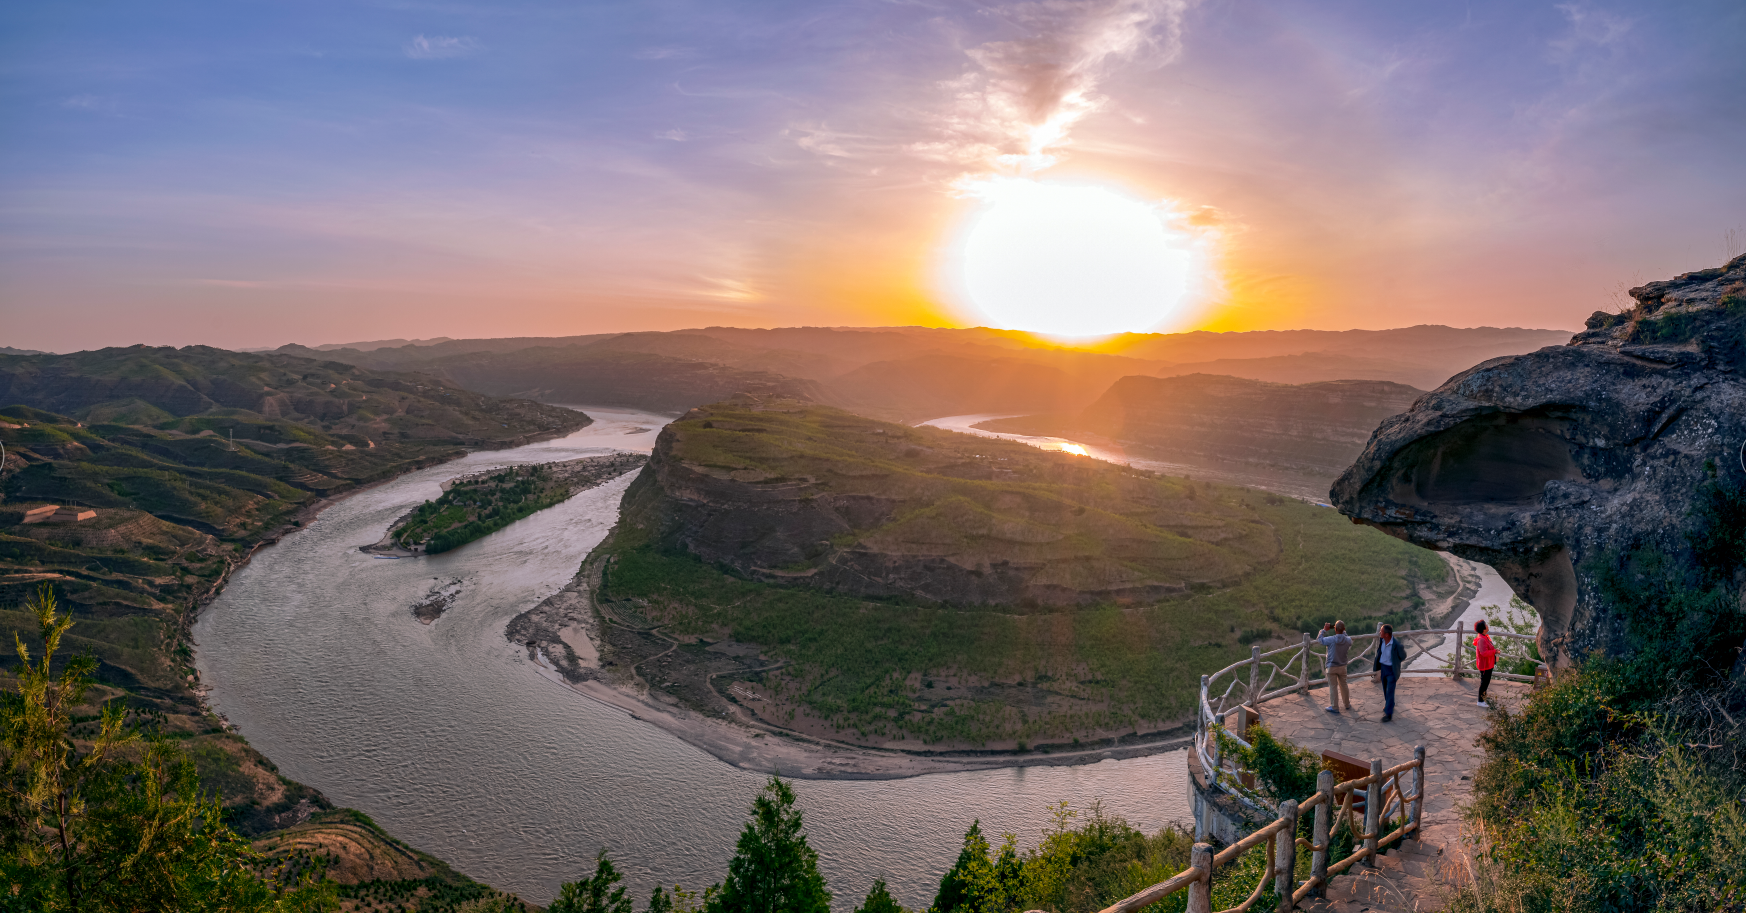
1334,637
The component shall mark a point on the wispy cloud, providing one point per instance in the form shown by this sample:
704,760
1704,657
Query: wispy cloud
94,103
1016,106
728,289
1592,27
665,53
439,47
233,283
822,140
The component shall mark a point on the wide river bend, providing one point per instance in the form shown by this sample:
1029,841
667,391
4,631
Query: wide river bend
453,741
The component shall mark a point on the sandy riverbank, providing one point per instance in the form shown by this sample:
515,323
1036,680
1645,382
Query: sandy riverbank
562,637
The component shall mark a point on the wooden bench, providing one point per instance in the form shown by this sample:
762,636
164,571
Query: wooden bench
1346,767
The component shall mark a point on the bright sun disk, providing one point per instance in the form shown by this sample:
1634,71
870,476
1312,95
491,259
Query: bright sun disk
1072,260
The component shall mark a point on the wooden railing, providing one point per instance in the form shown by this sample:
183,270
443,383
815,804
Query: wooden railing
1293,669
1333,806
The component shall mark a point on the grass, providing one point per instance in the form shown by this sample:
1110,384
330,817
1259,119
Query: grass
865,665
972,501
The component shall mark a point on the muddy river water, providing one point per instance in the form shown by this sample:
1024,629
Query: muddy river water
452,740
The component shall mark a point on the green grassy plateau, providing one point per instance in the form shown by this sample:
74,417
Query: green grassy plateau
928,673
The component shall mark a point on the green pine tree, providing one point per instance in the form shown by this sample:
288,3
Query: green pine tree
594,894
660,901
973,885
879,900
774,870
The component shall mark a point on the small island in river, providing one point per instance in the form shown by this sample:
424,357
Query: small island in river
474,506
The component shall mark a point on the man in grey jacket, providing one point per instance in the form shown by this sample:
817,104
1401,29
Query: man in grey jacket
1334,637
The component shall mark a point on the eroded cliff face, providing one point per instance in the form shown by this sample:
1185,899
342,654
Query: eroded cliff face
1551,465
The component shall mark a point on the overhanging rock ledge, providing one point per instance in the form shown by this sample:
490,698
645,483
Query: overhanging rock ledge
1549,465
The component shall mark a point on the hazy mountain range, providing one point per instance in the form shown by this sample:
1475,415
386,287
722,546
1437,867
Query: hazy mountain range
913,373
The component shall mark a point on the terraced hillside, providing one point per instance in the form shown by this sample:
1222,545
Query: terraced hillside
917,589
166,470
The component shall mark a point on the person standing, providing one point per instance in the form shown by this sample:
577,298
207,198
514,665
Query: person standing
1334,637
1484,657
1390,657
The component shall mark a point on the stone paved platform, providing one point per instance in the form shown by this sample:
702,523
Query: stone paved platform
1435,712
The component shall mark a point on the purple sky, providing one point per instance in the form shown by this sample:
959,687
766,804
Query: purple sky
252,173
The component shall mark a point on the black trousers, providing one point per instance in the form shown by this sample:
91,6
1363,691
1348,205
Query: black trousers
1484,682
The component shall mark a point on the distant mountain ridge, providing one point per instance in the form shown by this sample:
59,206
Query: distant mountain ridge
253,393
916,373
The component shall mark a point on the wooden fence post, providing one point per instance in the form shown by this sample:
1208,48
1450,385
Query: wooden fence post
1303,673
1254,675
1285,861
1200,889
1319,836
1418,807
1373,812
1460,649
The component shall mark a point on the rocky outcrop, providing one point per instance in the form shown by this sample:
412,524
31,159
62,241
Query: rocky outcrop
1555,465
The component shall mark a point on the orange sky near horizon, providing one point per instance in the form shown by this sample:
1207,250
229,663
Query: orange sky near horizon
546,169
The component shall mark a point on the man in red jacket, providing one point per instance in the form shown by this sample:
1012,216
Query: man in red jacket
1485,658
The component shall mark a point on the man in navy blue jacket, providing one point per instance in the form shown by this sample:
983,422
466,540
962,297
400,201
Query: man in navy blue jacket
1390,657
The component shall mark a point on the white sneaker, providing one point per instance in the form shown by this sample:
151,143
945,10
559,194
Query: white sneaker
1481,704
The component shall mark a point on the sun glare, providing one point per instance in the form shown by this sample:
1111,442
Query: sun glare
1073,260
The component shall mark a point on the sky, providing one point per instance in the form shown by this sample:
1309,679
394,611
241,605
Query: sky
247,173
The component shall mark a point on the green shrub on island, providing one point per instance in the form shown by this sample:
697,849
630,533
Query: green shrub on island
476,508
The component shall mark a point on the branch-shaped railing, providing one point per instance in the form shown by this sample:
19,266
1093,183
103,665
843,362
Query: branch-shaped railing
1293,669
1334,808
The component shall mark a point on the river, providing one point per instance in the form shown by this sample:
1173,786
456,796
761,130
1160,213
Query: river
453,741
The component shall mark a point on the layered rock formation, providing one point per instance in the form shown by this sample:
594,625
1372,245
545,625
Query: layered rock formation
1555,466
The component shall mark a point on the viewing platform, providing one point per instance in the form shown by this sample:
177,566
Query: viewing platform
1383,821
1434,711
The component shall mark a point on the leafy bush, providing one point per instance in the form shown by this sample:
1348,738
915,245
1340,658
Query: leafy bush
1620,788
1083,864
117,822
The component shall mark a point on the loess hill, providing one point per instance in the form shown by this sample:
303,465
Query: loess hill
142,439
911,588
817,497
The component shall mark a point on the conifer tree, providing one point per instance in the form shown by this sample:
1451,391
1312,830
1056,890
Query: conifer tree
660,901
774,870
972,885
879,900
594,894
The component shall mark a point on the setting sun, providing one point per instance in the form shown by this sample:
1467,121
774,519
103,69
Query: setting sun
1073,260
